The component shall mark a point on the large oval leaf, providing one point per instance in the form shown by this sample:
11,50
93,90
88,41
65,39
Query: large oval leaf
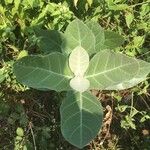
98,33
107,69
81,118
49,40
144,69
112,40
45,72
78,34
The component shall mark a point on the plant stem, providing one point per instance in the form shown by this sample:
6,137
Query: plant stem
30,126
131,104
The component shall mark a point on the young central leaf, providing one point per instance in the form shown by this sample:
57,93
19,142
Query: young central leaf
79,61
80,84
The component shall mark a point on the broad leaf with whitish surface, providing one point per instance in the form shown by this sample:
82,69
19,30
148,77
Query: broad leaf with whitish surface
98,33
109,70
81,118
46,72
78,34
144,69
49,40
112,40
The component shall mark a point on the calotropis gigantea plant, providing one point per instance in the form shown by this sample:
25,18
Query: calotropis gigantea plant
83,62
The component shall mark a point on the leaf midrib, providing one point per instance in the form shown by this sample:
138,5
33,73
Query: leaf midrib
109,70
81,120
66,76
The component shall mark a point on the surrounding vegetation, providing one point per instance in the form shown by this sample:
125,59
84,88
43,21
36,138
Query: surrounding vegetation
30,119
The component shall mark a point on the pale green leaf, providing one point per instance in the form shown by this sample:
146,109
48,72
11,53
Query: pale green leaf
22,54
8,1
32,3
40,19
138,41
20,132
2,11
109,70
109,2
75,2
78,61
81,118
90,2
79,84
98,33
45,72
145,9
129,18
49,40
2,76
78,34
16,4
119,7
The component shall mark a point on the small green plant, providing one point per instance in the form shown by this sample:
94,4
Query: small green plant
19,140
80,60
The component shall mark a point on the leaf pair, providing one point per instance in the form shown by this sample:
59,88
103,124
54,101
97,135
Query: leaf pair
107,71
